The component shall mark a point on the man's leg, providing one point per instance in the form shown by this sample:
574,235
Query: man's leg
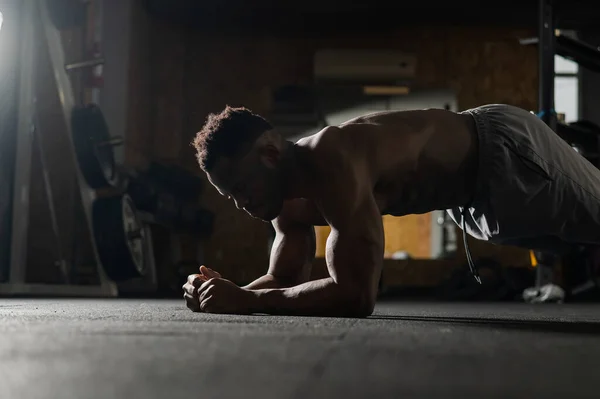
569,206
534,190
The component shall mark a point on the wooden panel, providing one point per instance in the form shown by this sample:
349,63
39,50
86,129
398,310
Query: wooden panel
167,91
411,234
483,65
138,148
321,233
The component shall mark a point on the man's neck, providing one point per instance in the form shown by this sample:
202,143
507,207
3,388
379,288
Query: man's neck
296,174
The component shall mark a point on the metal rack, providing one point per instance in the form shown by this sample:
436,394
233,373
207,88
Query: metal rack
546,51
36,12
551,43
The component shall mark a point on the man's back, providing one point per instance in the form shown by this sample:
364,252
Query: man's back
412,161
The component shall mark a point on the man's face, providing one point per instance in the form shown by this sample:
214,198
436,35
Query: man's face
251,184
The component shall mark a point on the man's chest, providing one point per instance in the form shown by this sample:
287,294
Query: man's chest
303,211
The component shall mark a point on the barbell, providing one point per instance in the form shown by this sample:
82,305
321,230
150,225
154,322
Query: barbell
167,193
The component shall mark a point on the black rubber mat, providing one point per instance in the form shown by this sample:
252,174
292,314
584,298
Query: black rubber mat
158,349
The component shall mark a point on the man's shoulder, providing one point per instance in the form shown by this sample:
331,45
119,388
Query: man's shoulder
331,147
323,140
299,212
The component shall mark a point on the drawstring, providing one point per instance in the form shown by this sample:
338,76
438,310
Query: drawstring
472,266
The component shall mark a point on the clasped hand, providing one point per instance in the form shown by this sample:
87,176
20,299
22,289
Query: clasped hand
210,293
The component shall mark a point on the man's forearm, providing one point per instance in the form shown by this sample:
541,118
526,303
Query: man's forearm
322,297
265,282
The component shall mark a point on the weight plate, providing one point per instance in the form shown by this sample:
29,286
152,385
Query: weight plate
134,231
93,147
120,238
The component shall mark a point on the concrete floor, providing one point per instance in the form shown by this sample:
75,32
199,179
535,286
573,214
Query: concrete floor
79,349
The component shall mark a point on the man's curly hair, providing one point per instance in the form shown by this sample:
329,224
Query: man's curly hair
230,133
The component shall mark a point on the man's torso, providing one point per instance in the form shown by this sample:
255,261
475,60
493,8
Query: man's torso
415,161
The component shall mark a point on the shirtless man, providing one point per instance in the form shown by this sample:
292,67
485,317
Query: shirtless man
499,171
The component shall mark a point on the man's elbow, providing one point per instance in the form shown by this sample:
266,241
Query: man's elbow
362,303
367,304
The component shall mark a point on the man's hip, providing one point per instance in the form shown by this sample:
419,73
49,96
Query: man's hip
533,189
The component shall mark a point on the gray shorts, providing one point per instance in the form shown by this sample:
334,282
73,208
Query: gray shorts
533,189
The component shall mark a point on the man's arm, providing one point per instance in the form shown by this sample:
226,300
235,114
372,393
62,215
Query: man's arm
354,253
292,255
354,260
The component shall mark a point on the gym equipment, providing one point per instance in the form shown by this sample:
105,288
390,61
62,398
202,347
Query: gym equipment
578,51
94,146
190,218
120,237
37,16
551,42
574,50
176,180
583,137
67,14
169,210
84,64
170,194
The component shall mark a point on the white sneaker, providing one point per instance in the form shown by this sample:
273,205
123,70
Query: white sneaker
548,293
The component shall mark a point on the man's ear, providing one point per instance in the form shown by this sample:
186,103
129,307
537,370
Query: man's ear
270,155
269,148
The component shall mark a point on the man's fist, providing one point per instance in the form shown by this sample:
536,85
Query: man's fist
218,295
209,273
194,281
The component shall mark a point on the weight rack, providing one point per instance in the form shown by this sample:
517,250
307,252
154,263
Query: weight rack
27,126
545,271
550,44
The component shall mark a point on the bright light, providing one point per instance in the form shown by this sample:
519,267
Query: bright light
1,19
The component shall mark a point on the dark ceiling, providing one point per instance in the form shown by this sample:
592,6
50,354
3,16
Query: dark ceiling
358,15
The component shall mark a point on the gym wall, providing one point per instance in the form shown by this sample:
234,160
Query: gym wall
177,77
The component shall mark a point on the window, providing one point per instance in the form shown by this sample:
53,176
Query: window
566,87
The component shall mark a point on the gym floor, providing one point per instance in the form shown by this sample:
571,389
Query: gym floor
147,349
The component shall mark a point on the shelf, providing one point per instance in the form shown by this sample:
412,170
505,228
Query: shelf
582,53
575,50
